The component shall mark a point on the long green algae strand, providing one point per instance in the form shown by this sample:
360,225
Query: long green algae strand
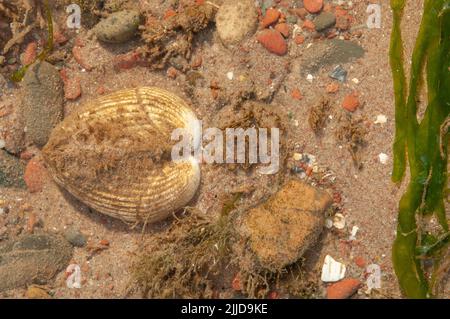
398,74
427,161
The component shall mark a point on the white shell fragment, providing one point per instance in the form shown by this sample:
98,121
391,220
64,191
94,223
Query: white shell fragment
73,281
309,78
230,75
332,270
374,278
353,233
383,158
381,119
339,221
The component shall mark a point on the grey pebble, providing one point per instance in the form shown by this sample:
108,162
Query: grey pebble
119,27
75,237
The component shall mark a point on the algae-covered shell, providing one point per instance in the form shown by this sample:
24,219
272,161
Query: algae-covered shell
114,155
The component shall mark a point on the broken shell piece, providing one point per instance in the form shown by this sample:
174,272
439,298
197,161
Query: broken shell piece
383,158
339,221
310,78
74,278
381,119
328,223
332,270
353,233
374,278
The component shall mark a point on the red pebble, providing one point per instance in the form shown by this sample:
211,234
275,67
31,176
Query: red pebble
343,289
273,41
34,176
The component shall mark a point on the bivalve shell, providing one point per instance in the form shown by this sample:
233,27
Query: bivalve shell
114,155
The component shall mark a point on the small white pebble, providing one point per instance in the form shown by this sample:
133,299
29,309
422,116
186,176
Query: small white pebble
309,45
355,80
230,75
309,78
381,119
328,223
383,158
297,157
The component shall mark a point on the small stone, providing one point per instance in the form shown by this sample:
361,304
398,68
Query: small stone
281,229
324,21
72,85
271,17
273,41
296,94
11,171
230,75
172,72
197,62
76,238
310,78
42,107
351,102
32,258
36,292
313,6
78,55
301,13
236,20
35,174
299,39
332,88
343,289
283,28
126,61
360,262
297,157
339,73
119,27
309,25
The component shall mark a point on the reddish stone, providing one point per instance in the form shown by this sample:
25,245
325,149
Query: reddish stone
273,41
351,102
104,242
236,283
313,6
78,56
59,37
360,262
197,62
343,289
172,73
332,87
34,176
296,94
169,14
271,17
30,53
309,25
126,61
283,28
299,39
301,13
72,85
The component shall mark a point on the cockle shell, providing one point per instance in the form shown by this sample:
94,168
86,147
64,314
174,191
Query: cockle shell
114,155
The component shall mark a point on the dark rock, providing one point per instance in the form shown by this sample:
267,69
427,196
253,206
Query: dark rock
32,259
330,52
75,237
11,171
119,27
324,21
339,73
42,107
